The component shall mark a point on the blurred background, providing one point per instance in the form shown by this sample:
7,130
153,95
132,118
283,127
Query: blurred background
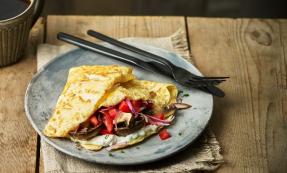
204,8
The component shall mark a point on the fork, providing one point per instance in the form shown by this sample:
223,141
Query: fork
176,71
179,74
150,65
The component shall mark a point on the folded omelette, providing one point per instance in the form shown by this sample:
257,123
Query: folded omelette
106,106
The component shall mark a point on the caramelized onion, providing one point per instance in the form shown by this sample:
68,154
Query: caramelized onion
177,106
87,133
137,124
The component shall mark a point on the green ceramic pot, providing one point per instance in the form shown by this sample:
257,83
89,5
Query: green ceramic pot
14,33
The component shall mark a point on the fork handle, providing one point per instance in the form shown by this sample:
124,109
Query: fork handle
131,48
105,51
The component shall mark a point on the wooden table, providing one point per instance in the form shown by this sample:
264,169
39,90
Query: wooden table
250,122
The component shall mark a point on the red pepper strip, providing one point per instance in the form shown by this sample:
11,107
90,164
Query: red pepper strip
104,132
94,121
164,134
138,105
159,116
124,107
104,109
113,113
108,121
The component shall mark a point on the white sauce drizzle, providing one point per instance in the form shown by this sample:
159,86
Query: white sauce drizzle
109,140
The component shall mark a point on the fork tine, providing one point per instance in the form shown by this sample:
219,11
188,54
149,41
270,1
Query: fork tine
219,77
207,80
204,83
196,84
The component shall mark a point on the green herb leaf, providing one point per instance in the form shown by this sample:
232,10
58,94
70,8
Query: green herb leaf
185,95
110,154
106,136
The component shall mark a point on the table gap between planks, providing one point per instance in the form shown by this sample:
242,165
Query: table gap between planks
250,122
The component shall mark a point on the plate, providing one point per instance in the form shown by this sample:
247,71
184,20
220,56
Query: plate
46,86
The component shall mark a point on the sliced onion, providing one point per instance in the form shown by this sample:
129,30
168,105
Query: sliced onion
156,121
152,122
87,133
106,109
131,107
121,145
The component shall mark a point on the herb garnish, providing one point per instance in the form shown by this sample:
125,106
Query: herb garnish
106,136
110,154
181,94
185,95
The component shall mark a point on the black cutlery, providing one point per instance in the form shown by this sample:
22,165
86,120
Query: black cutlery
177,72
150,65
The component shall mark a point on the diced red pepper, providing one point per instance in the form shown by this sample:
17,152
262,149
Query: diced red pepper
137,104
124,107
113,113
104,132
164,134
94,121
108,121
159,116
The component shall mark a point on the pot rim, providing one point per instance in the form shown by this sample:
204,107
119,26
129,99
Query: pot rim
20,14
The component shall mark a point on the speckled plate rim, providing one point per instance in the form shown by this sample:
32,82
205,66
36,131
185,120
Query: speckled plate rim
63,150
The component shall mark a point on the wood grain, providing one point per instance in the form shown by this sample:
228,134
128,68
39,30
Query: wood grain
17,137
112,25
116,26
250,122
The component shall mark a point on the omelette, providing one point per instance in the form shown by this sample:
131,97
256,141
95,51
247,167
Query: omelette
106,106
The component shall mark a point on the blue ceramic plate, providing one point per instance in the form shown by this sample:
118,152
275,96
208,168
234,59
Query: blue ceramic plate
46,86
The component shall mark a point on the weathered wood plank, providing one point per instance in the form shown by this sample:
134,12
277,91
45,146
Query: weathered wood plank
17,137
116,26
250,122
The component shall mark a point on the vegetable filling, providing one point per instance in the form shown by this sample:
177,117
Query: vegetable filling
122,119
125,118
